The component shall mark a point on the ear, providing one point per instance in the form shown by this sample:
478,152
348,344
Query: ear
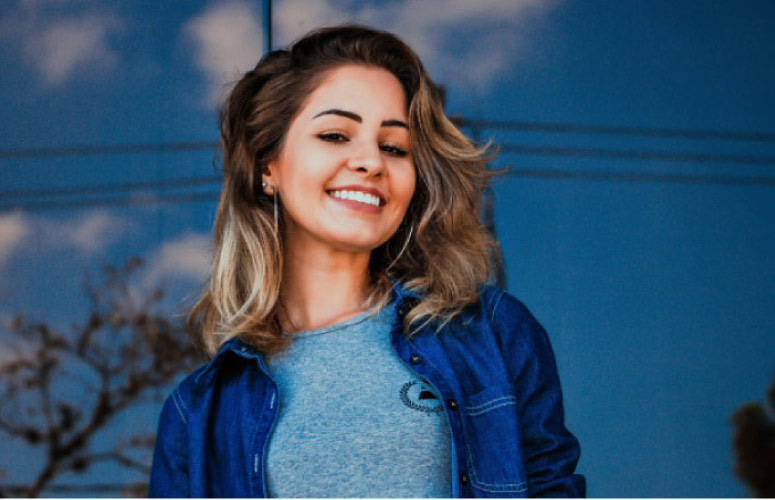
269,177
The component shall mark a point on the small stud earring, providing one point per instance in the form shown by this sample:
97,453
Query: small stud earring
264,185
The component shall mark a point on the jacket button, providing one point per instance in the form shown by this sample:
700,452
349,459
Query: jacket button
415,359
464,478
452,404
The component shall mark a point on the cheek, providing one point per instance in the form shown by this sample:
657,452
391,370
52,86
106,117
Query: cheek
301,184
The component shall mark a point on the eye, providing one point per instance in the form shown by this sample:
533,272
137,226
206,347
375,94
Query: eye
393,150
332,137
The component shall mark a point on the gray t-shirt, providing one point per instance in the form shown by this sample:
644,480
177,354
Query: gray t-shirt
354,420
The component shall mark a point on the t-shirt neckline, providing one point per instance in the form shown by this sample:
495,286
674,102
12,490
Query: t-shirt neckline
359,318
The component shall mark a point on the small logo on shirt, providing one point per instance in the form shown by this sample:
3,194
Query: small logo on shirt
419,396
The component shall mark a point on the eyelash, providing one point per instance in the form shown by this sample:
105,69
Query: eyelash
339,137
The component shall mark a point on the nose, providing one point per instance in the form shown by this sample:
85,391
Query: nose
367,159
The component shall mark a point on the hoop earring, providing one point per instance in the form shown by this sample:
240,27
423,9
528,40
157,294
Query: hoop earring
406,244
274,202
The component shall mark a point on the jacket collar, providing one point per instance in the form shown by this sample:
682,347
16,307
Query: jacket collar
233,345
236,346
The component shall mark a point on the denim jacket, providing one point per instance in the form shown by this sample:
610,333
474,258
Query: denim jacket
492,366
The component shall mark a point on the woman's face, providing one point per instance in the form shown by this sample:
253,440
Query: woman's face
345,172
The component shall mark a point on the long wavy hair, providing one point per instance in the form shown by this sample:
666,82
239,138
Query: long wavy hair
441,250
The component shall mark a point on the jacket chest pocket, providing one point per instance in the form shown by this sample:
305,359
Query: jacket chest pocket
494,442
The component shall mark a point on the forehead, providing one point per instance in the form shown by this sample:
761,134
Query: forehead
361,89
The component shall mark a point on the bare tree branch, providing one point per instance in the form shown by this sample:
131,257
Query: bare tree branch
112,456
130,352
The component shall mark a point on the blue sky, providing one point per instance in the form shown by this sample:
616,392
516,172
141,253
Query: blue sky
657,295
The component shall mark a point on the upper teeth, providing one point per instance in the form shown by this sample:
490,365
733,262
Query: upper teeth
357,196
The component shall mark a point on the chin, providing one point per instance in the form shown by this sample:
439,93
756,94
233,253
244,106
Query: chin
359,244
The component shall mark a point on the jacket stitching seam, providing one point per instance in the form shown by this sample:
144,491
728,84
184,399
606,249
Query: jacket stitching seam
508,402
182,403
175,397
414,348
497,488
495,307
490,402
252,470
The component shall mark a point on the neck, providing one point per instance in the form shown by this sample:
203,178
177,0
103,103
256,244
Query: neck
322,287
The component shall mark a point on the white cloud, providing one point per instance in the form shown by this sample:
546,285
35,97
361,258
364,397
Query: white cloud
227,42
294,18
87,232
14,228
66,46
187,257
59,46
91,232
463,41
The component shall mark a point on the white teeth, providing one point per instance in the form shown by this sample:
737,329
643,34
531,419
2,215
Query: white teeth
358,196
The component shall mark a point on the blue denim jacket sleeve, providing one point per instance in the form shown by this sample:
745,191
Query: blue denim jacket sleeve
551,451
169,472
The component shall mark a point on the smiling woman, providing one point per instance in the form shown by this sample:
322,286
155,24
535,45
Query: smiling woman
356,349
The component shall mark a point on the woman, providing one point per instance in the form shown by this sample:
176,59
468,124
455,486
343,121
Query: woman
356,350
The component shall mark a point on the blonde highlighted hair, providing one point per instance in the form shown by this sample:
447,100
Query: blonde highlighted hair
449,251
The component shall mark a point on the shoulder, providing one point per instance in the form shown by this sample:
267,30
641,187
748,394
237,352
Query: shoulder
494,300
507,315
499,304
224,375
497,324
182,398
178,427
503,321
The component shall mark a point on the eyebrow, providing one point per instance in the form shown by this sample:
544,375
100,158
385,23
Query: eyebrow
356,117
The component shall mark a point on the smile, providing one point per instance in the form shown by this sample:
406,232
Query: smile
358,196
358,200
